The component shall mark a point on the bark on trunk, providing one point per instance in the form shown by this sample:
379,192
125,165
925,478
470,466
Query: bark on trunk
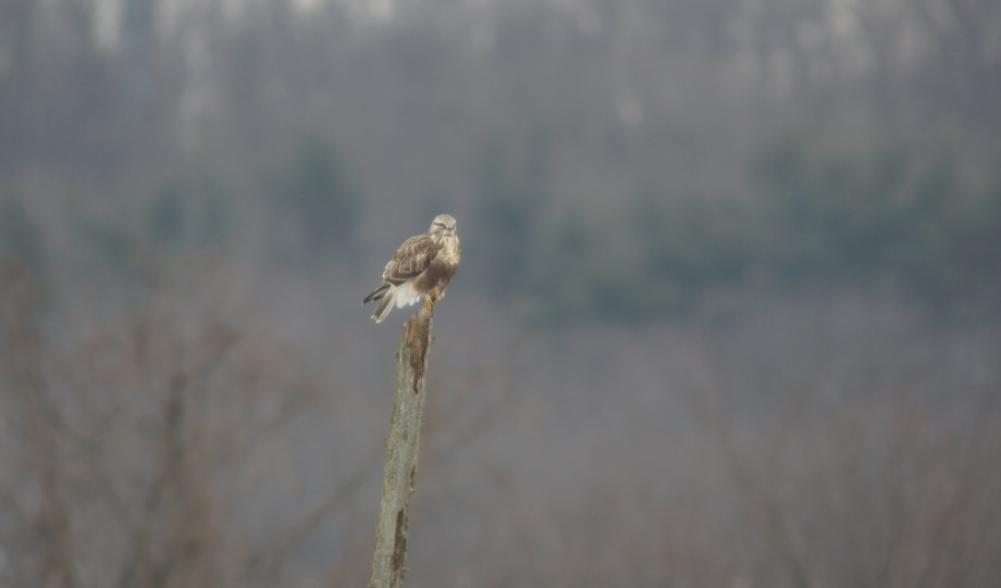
402,446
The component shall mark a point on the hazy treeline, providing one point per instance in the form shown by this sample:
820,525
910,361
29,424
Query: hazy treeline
678,145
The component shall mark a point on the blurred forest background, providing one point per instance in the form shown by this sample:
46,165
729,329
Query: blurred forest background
728,313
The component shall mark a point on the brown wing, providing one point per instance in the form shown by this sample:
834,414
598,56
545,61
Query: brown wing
412,258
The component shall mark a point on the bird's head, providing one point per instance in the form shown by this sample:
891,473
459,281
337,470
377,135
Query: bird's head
443,225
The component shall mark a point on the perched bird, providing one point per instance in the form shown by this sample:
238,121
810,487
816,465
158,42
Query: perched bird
420,269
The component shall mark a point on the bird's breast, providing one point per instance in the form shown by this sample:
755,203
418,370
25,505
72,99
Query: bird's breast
436,276
451,251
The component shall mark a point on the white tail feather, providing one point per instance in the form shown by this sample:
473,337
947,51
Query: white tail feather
397,296
405,294
384,308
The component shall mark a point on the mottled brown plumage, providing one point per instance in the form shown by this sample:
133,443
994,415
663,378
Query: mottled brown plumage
420,269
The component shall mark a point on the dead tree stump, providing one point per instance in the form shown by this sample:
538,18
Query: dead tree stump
402,446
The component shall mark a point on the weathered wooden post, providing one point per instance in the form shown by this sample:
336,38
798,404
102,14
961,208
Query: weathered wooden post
402,446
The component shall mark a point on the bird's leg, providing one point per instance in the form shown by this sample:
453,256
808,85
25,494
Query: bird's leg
427,309
433,297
